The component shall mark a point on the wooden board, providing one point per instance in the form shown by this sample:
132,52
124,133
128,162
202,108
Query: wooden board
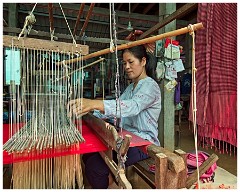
44,45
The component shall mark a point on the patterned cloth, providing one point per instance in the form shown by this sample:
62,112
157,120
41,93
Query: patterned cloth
216,77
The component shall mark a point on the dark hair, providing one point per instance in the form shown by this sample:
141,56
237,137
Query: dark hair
151,61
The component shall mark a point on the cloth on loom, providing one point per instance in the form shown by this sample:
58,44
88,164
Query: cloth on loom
216,76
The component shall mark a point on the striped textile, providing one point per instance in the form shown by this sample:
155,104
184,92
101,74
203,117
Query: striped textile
216,76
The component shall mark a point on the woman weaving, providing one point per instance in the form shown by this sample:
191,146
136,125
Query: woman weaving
140,110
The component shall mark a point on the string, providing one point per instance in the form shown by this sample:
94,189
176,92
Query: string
74,41
194,106
117,84
29,20
110,26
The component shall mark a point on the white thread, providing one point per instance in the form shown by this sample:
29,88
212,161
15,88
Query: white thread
74,41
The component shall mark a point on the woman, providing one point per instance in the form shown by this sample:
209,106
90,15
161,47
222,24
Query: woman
140,109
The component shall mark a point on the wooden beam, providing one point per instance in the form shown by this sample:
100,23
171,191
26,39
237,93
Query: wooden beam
50,10
39,44
104,11
150,6
78,18
175,15
62,36
87,19
138,42
119,6
135,5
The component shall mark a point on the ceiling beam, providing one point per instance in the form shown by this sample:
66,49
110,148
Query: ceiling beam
78,18
50,10
87,19
175,15
150,6
119,6
97,11
104,11
135,5
62,36
73,18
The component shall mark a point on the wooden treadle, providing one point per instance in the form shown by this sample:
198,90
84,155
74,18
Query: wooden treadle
142,169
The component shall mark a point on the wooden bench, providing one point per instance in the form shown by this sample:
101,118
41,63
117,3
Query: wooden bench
170,168
170,172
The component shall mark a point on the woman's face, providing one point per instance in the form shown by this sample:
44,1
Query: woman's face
134,68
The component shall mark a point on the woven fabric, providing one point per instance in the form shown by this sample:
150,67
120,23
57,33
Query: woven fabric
92,144
216,77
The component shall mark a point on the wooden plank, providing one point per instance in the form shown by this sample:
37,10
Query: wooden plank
175,15
142,169
202,169
45,45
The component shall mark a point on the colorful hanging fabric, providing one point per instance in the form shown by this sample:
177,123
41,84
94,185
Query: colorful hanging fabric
216,63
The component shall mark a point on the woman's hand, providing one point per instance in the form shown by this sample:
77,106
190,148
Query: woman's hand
81,106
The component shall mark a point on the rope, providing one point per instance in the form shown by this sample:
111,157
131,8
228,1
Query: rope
74,41
110,20
29,21
117,84
194,108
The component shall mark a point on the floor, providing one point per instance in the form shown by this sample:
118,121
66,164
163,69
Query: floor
225,161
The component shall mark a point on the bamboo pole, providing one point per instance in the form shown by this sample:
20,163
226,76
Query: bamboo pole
136,43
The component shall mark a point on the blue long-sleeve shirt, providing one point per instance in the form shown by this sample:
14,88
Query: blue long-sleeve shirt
140,109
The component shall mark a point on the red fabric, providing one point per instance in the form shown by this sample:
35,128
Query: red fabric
202,157
174,42
92,144
216,76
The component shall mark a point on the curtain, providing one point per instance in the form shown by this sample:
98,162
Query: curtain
216,76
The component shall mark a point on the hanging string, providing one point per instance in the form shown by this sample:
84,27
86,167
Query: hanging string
74,41
103,86
110,26
29,21
194,106
117,84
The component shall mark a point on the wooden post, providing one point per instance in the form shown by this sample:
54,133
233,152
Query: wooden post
166,120
161,169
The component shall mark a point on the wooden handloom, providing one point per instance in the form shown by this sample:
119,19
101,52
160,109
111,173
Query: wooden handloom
169,166
103,137
171,170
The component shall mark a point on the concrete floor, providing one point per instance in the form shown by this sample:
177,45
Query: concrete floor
225,161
